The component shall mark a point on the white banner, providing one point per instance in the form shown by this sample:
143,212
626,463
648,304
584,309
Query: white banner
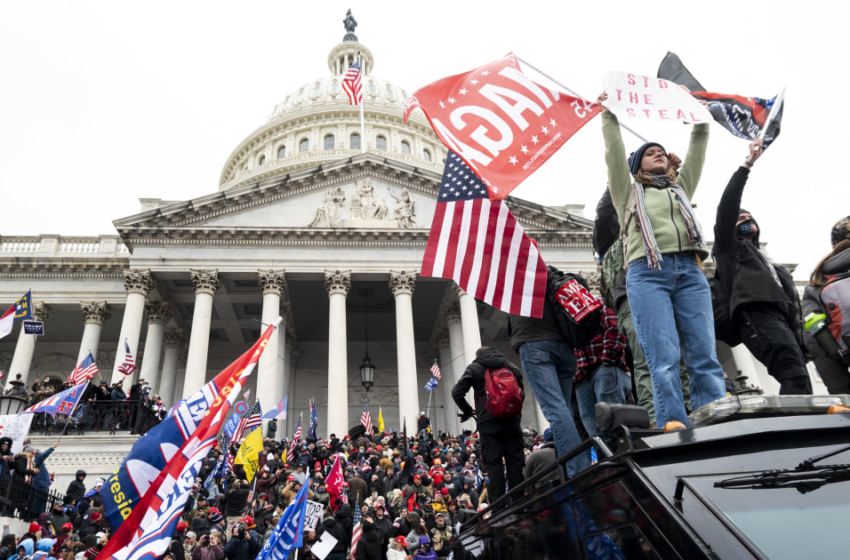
314,515
17,427
633,97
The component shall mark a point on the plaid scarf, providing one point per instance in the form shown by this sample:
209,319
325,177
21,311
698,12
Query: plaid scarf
650,245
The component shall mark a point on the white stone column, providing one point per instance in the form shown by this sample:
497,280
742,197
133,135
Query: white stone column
168,388
138,284
458,359
158,314
402,285
449,407
269,383
338,284
469,319
95,314
206,285
25,347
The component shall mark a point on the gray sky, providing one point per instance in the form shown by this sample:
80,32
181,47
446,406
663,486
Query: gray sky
103,103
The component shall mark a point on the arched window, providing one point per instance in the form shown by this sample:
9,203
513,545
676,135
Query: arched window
354,141
281,152
317,89
381,143
427,155
304,146
405,147
329,142
300,95
390,92
262,160
334,86
372,88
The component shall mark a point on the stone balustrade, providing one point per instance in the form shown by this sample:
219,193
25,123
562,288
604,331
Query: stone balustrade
56,245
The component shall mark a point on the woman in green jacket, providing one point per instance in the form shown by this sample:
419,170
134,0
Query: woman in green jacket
663,248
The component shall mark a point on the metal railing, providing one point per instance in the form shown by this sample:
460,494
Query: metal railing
25,501
99,416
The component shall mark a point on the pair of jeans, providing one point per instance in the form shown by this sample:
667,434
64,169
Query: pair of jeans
549,366
608,384
673,318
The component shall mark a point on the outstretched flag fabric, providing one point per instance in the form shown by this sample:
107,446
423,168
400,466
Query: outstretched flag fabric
249,453
314,420
435,370
62,403
480,245
84,372
335,483
502,124
431,385
146,496
352,84
381,427
366,419
289,532
129,365
743,116
21,310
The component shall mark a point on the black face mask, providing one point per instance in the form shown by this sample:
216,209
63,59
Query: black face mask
749,229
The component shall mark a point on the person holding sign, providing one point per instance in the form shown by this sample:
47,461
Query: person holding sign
663,246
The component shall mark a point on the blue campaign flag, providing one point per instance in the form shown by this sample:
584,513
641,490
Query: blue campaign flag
231,426
271,414
314,420
289,532
431,385
63,402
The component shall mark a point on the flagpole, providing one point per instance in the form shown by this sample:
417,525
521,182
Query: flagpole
362,121
68,421
571,92
773,111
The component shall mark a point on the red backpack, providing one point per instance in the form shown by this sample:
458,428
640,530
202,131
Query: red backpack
502,395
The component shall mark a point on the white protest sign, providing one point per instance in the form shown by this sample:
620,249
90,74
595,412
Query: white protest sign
314,514
324,546
16,427
633,97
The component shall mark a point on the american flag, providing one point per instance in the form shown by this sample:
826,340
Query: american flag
481,246
366,419
435,370
84,372
352,84
129,365
249,421
314,420
296,439
356,533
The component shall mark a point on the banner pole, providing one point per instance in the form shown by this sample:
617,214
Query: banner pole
571,92
362,99
773,111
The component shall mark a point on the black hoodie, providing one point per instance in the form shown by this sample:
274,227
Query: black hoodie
474,377
369,546
329,525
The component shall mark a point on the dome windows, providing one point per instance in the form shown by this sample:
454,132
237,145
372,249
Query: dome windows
390,92
262,160
329,142
381,143
354,141
405,147
426,155
373,89
304,145
317,89
300,95
281,152
334,86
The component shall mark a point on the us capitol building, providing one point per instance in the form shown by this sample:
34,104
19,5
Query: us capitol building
304,225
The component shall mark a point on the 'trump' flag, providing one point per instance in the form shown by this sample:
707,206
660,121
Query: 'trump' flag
314,420
431,385
334,483
146,496
19,311
63,402
480,245
499,122
366,418
353,85
435,370
84,372
129,365
745,117
289,532
231,425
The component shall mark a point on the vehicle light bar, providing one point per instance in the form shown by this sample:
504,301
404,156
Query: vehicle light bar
750,406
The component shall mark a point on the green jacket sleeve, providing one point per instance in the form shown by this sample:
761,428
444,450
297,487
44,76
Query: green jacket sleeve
619,178
695,160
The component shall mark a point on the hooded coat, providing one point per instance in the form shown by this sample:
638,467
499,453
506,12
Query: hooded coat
369,545
330,525
5,465
77,488
28,545
474,377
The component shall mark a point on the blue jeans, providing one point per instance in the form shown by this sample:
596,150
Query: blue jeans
608,384
671,310
549,366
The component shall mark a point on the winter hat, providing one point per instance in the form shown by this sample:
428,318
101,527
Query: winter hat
444,491
181,527
216,517
92,553
424,541
840,231
95,516
34,527
636,156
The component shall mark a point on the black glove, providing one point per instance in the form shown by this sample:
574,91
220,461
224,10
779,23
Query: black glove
465,416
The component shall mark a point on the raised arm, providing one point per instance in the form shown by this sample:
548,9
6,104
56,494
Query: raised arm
730,203
691,171
619,178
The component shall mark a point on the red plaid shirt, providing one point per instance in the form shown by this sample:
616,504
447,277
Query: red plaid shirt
608,348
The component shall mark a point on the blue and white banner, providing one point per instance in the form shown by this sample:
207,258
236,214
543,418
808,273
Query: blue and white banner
289,532
63,402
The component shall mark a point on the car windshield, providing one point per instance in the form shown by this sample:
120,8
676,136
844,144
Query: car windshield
784,522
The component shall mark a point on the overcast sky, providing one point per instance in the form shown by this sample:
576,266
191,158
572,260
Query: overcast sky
103,103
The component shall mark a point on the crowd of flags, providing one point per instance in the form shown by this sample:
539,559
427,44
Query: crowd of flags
435,377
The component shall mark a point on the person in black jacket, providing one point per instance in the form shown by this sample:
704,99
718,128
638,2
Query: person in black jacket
501,438
7,461
331,526
77,489
763,304
369,545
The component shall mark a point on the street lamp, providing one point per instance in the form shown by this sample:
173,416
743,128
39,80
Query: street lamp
367,368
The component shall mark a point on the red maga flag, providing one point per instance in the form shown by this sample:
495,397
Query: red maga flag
479,244
502,124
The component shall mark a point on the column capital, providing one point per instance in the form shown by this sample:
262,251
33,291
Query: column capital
442,338
594,280
96,312
338,282
458,290
138,281
272,281
173,338
157,312
452,314
40,311
205,281
402,282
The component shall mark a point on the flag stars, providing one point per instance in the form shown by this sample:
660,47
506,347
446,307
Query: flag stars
545,130
552,123
534,139
523,149
473,82
442,105
452,100
512,159
484,73
462,91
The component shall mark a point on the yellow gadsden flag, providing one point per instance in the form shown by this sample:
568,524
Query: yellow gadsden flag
381,421
249,453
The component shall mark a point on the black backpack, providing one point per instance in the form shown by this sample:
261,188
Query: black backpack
577,312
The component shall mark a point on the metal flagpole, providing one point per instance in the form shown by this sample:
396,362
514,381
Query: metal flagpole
430,393
571,92
777,104
362,98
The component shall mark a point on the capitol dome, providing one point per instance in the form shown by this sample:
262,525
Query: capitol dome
315,124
